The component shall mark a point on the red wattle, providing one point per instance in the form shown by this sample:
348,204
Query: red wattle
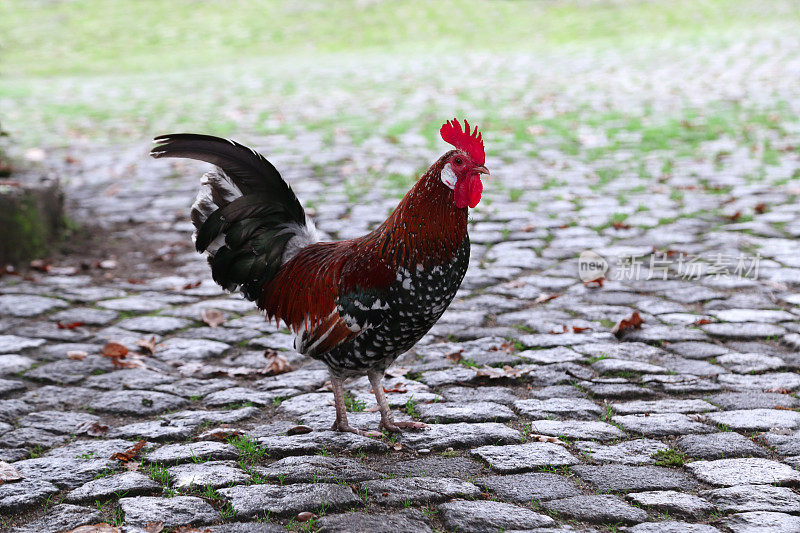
467,192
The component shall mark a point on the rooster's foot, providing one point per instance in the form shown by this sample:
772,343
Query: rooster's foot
397,427
347,428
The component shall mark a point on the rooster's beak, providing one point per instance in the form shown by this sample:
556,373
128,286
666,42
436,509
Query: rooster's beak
481,170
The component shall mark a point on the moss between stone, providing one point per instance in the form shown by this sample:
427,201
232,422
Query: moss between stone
31,222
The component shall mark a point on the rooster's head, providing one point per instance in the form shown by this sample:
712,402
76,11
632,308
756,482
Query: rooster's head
465,164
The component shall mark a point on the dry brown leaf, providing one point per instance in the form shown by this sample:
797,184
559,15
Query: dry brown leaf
96,528
490,372
114,350
41,265
69,325
701,322
554,332
620,225
8,473
76,355
212,317
277,363
93,429
299,430
596,283
779,390
544,297
147,344
154,527
576,329
455,356
222,432
130,453
189,286
760,208
395,388
783,408
305,516
632,322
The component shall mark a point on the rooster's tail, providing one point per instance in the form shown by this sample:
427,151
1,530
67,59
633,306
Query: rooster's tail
248,220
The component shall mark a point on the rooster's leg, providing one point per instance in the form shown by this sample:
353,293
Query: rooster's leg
387,421
341,423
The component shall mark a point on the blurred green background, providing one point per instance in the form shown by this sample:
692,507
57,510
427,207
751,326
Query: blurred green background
114,71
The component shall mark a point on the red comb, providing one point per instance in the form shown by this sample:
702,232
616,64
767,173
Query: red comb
471,143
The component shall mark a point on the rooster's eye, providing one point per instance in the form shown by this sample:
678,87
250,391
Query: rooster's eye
459,161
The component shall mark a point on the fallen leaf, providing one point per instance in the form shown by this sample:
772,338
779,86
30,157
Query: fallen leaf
397,371
396,388
632,322
147,344
554,332
130,453
69,325
299,430
93,429
305,516
277,363
544,297
576,329
734,217
620,225
76,355
397,446
598,282
222,432
701,322
212,317
783,408
154,527
41,265
96,528
760,208
191,285
507,347
779,390
114,350
132,466
8,473
454,356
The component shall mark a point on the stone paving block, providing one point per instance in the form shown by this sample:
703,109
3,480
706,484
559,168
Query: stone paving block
745,363
248,500
522,457
728,472
633,478
743,330
13,364
754,498
531,486
128,483
135,402
576,429
671,526
314,442
407,520
673,502
317,468
153,324
752,400
12,343
663,406
129,378
631,452
660,425
58,421
442,413
723,445
61,517
434,465
417,490
501,395
597,509
575,408
25,493
762,522
171,512
487,516
756,419
192,451
460,435
25,305
210,473
64,472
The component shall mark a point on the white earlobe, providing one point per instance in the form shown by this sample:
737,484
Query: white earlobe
448,176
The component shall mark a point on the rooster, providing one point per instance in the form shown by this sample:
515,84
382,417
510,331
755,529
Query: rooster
355,305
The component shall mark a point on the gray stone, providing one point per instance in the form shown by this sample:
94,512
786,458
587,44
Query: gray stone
630,452
522,457
289,499
210,473
156,430
153,324
754,315
460,435
577,429
245,527
488,516
756,419
755,498
203,450
317,468
728,472
744,363
58,397
719,446
235,395
127,483
762,522
171,512
129,378
88,315
618,390
610,365
68,371
501,395
61,517
575,408
10,385
24,437
178,349
743,330
532,486
136,402
13,364
671,526
663,406
91,449
697,350
24,494
411,520
58,421
417,490
753,400
465,412
633,478
12,343
597,509
24,305
311,443
660,425
434,465
553,355
672,502
65,473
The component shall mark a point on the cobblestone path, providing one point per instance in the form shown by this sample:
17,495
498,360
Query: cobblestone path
539,416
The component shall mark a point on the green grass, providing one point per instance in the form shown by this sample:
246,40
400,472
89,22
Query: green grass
99,36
